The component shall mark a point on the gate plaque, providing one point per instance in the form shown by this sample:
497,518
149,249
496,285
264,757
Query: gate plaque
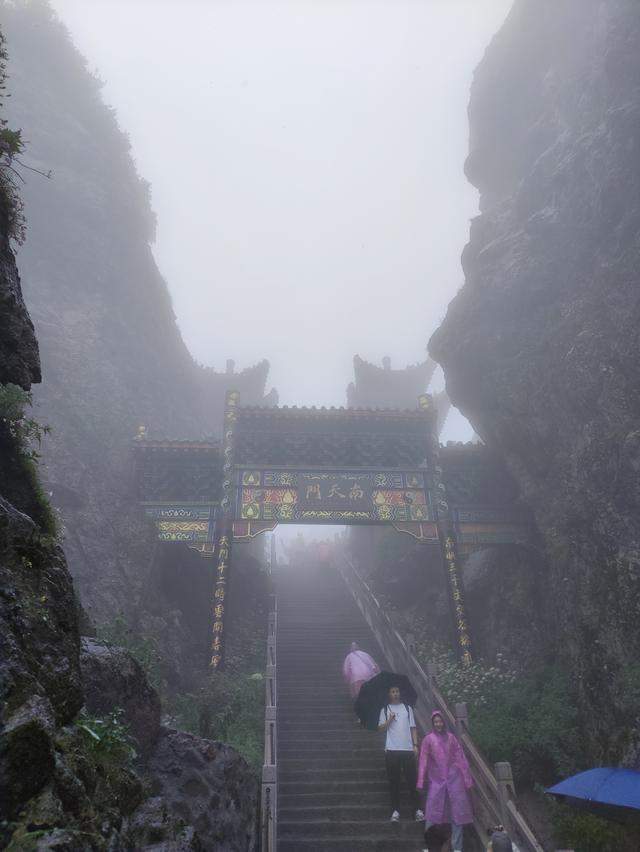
333,496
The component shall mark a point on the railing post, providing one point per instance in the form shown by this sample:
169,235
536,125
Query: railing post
506,791
462,718
269,794
270,736
269,806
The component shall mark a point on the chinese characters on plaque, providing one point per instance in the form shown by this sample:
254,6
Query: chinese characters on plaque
333,496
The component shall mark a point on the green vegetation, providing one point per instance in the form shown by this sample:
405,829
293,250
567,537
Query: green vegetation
107,739
100,751
11,145
527,718
230,705
585,832
25,431
20,440
142,648
229,708
531,720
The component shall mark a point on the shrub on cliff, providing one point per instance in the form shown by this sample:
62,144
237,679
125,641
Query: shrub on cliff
229,708
527,718
20,440
11,218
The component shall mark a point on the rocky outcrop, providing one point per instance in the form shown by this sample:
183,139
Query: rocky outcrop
541,347
200,792
112,678
39,636
68,788
19,356
207,785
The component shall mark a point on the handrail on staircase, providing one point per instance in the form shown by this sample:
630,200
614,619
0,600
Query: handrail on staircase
269,792
494,797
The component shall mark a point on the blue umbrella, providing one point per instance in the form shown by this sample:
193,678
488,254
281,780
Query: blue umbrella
614,793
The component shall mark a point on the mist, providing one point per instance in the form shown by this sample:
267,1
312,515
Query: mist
306,166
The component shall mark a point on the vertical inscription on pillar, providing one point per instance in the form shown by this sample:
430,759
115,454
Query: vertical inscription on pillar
227,503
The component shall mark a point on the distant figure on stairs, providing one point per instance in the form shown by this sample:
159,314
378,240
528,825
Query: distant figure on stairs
358,668
444,767
500,841
400,752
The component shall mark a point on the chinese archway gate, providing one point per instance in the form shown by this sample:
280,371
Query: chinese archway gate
321,466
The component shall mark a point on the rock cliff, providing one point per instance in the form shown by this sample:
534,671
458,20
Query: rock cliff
111,350
541,347
85,763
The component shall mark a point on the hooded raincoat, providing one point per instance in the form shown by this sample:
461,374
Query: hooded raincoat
444,766
358,667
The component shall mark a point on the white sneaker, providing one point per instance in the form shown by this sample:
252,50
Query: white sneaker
395,817
419,815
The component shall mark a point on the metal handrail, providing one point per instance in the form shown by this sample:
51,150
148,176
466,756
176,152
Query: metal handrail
269,792
494,792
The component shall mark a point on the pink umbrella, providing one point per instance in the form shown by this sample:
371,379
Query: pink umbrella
358,668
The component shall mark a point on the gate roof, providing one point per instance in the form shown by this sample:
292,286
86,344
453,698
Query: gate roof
332,437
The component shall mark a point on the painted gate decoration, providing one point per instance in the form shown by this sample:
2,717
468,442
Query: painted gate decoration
324,466
333,497
194,525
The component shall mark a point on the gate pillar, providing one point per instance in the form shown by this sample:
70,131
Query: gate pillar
448,545
224,532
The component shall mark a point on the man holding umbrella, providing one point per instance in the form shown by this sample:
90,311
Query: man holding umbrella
401,750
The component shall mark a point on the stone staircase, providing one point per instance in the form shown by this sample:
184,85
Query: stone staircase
332,788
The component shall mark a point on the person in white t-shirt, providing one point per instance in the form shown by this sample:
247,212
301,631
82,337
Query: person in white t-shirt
401,750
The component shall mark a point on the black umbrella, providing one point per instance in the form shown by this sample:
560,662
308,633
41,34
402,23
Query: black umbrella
374,695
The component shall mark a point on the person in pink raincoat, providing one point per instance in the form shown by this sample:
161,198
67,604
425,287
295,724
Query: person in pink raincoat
358,668
443,765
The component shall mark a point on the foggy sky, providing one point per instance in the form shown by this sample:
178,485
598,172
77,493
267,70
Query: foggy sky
306,166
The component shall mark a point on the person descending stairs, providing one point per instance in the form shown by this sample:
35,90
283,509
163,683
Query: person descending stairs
333,791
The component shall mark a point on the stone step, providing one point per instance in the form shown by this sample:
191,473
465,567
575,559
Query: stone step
373,760
339,742
306,747
307,690
289,676
314,708
348,843
331,695
316,718
286,703
302,745
377,812
351,794
336,709
346,787
376,800
301,726
328,774
382,828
